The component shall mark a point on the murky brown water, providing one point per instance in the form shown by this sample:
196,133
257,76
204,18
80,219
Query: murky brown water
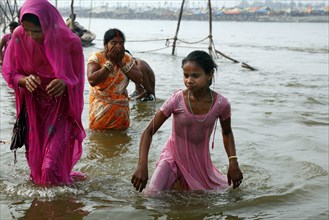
279,118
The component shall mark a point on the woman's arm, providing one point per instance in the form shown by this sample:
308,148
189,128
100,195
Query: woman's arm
97,74
135,74
2,44
140,176
234,175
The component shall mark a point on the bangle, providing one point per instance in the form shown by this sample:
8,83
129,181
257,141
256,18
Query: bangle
126,68
108,65
232,157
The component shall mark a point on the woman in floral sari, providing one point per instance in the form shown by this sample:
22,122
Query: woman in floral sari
109,72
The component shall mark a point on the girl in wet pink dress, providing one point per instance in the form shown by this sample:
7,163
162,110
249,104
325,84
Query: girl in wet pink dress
185,158
44,64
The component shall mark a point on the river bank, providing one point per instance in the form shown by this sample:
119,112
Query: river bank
166,14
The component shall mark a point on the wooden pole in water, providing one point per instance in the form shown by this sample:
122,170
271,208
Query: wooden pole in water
91,11
211,47
178,24
210,30
72,15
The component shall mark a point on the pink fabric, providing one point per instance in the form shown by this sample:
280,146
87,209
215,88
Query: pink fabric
5,38
55,131
186,156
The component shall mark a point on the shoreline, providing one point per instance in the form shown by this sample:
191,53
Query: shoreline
278,19
130,14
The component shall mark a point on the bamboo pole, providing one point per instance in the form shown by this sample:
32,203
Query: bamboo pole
91,11
72,15
178,25
210,31
247,66
227,57
211,46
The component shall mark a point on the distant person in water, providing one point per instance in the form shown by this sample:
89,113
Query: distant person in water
109,72
44,64
148,79
6,39
185,160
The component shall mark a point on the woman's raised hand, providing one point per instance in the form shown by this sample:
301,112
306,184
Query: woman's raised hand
116,54
32,82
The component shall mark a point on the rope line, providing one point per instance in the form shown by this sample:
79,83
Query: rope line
168,44
195,42
147,51
191,47
164,39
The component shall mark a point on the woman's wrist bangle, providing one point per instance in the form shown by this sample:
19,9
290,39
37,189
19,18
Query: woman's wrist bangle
126,68
232,157
108,65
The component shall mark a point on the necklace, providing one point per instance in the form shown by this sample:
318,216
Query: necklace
189,105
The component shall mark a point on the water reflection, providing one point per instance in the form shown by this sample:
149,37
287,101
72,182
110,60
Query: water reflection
194,205
144,111
56,209
108,143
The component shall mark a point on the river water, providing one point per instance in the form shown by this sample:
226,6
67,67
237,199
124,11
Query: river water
279,118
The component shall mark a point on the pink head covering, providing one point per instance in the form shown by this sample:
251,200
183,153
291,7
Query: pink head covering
61,47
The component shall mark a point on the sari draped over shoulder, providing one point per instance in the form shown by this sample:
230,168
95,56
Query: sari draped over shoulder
54,127
108,102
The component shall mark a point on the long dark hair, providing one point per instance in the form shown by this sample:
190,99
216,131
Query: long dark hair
202,59
112,33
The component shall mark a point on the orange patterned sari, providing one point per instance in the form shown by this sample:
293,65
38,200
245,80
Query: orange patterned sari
108,101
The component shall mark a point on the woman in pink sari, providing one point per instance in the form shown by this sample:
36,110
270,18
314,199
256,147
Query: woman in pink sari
44,64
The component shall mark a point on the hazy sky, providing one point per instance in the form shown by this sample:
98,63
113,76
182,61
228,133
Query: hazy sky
164,3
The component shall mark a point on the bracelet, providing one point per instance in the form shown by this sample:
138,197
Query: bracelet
232,157
108,65
126,68
142,87
144,90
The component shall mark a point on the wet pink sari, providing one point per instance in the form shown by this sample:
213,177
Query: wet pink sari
55,131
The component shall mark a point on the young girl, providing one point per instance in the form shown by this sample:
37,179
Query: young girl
185,158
